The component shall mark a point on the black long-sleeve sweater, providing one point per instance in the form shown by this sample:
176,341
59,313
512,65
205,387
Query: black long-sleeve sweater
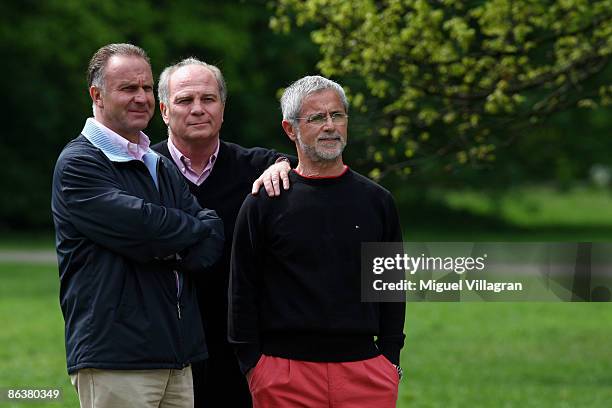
235,170
295,273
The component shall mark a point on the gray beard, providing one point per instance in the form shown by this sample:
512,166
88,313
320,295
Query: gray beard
319,155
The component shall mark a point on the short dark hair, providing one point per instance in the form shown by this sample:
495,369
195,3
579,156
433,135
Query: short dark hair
95,70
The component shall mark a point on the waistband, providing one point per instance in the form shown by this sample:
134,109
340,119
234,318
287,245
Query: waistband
321,347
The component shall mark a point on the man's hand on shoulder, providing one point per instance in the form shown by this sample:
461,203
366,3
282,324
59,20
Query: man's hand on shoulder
271,178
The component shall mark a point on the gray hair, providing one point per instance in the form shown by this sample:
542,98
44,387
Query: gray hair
294,95
163,88
97,64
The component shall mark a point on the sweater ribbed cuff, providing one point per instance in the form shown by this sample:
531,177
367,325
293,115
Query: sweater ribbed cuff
248,355
391,351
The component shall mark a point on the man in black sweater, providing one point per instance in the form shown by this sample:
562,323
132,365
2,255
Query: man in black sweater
192,98
302,335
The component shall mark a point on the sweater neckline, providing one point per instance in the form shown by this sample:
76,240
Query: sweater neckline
322,177
314,180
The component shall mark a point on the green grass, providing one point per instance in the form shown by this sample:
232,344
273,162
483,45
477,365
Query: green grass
539,206
31,332
507,355
456,354
523,213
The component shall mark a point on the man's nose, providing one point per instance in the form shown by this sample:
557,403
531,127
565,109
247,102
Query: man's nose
197,108
141,96
329,122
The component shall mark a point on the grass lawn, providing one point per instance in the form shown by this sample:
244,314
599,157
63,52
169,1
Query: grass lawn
32,333
456,354
507,355
521,213
537,206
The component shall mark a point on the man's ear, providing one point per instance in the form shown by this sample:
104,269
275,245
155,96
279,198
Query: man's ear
289,130
96,96
163,108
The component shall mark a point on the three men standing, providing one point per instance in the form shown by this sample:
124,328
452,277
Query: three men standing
133,243
130,239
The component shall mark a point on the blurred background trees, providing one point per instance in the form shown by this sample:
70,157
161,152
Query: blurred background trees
438,85
445,94
47,45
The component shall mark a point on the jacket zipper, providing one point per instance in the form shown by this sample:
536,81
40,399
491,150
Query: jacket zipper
178,294
179,281
179,289
177,275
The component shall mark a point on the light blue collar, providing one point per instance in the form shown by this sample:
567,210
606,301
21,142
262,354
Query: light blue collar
100,139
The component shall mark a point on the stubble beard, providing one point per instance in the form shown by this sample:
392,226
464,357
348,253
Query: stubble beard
317,154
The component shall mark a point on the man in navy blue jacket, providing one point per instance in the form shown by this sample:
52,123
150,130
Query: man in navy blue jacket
130,238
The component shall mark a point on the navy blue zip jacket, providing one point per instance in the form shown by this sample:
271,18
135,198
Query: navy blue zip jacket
118,221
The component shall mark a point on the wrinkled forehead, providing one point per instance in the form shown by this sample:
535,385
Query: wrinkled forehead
323,100
192,77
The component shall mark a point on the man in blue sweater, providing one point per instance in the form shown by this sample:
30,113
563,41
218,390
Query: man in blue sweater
303,336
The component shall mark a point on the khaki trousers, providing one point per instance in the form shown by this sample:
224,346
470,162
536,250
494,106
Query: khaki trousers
164,388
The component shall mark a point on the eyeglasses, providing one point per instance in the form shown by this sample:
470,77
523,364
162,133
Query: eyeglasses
338,118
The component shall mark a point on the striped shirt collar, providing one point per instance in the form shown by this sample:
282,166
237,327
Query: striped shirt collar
114,146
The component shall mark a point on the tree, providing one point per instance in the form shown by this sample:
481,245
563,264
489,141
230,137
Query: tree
444,83
46,47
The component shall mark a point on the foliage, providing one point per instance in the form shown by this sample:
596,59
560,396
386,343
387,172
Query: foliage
403,90
46,46
445,83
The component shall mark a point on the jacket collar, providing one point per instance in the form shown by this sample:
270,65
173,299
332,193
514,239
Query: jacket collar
97,136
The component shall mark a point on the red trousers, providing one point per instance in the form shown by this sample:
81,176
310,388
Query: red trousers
281,383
